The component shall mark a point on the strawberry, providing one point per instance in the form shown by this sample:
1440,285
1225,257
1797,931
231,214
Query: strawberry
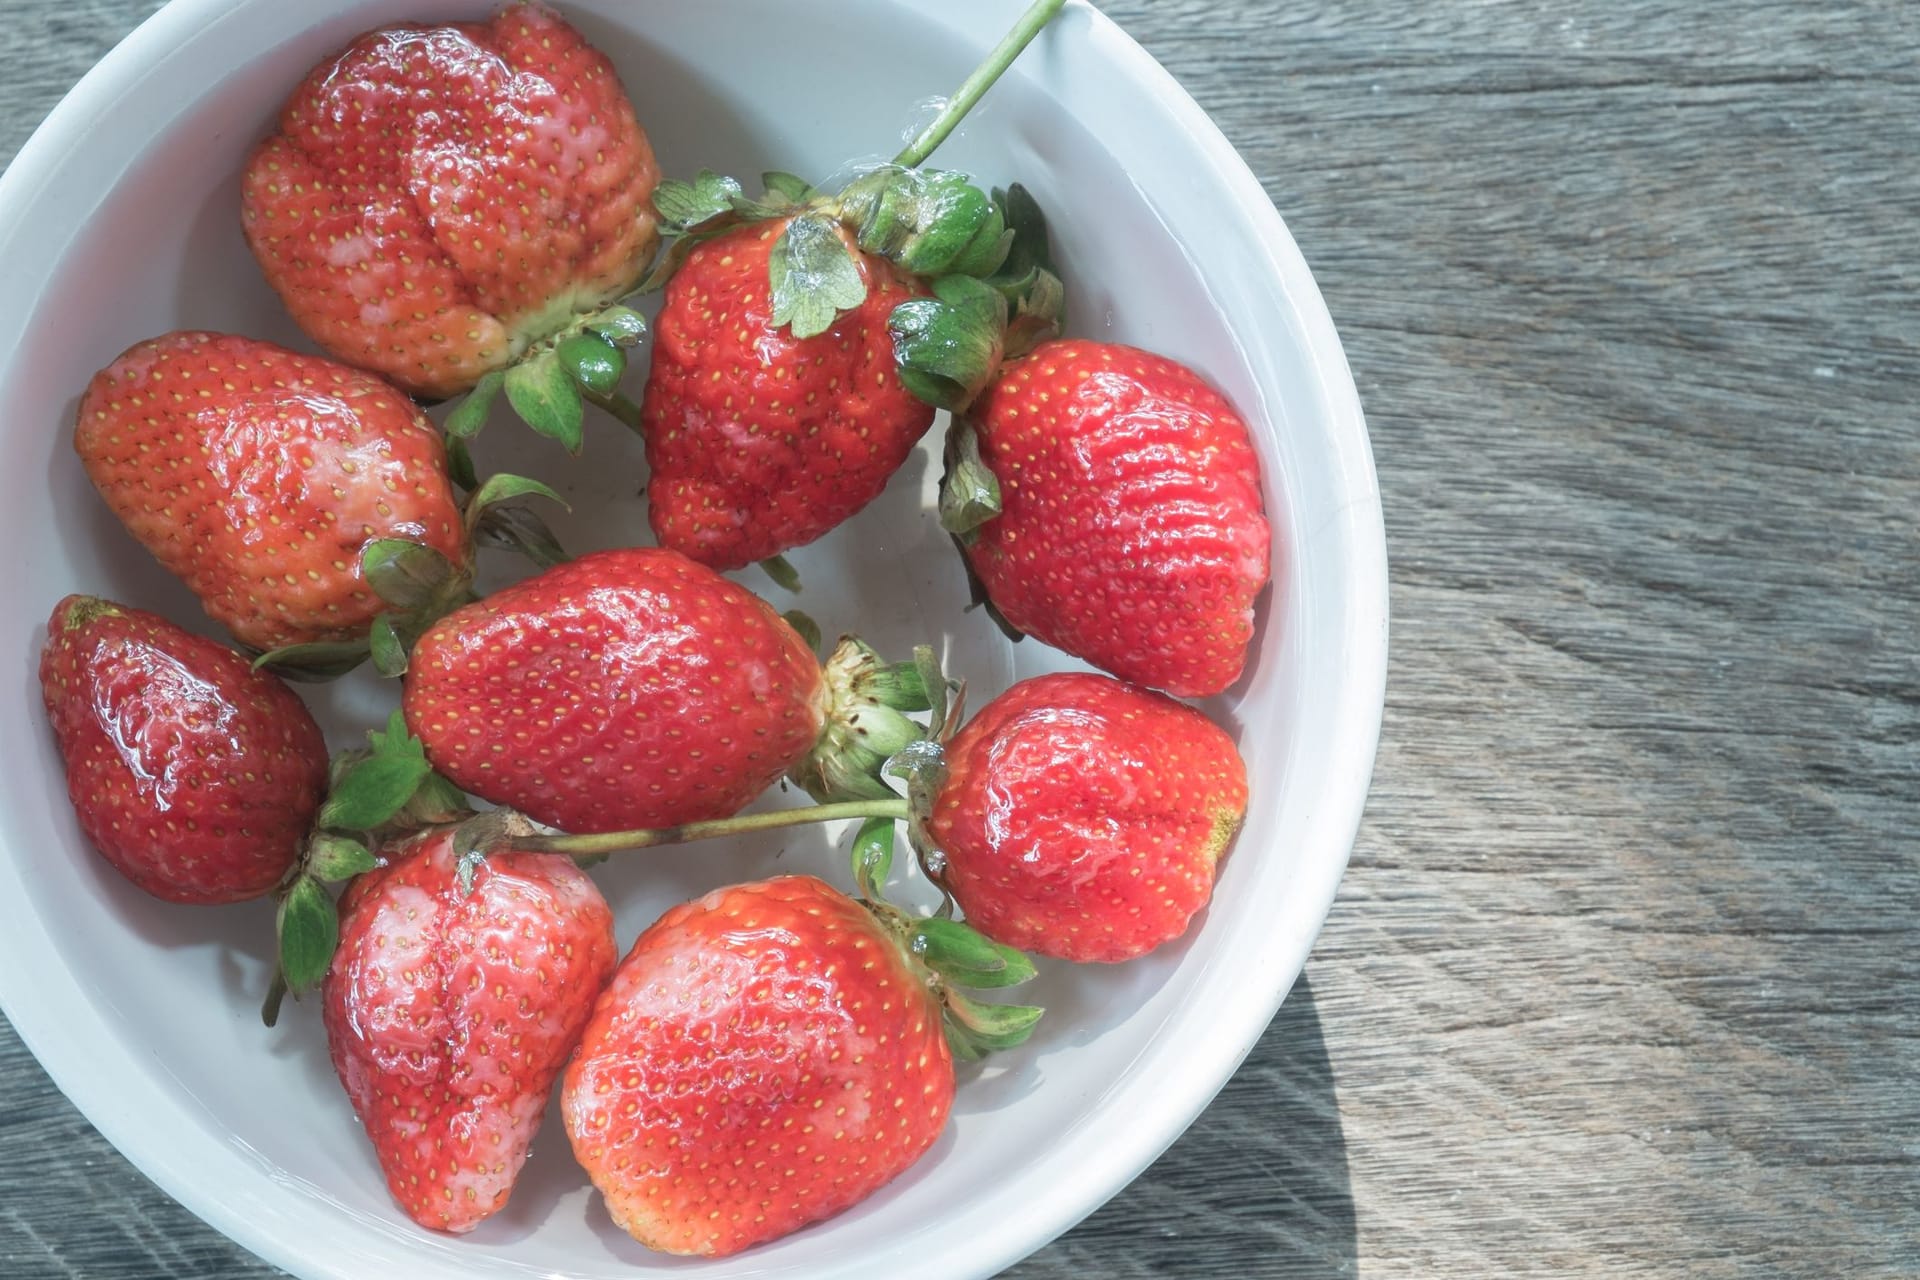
636,688
1082,818
438,203
449,1013
266,480
766,1057
1108,501
806,338
193,773
760,441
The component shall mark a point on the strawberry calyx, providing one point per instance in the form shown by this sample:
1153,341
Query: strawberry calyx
580,362
374,794
983,256
867,723
952,958
420,584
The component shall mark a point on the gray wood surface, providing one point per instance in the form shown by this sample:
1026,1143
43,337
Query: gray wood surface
1622,981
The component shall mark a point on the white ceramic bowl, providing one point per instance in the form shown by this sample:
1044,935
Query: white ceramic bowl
119,221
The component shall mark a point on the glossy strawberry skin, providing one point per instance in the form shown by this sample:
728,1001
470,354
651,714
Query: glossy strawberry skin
758,442
195,775
449,1015
766,1057
257,475
1131,533
1082,817
435,199
628,688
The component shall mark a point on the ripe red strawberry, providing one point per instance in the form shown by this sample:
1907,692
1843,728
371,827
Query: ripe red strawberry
194,774
1130,531
259,476
766,1057
449,1014
1082,818
635,688
760,441
439,199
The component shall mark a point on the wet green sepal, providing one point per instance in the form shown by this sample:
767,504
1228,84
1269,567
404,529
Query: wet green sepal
505,488
929,221
372,790
872,856
591,360
863,730
683,206
975,1028
969,491
308,927
315,661
787,187
388,649
966,957
332,857
471,414
460,464
407,575
784,575
805,627
521,531
948,347
547,399
622,326
813,276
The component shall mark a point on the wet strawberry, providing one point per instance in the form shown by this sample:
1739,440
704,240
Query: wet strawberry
760,441
193,773
766,1057
260,476
450,1013
1130,530
1082,818
636,688
438,200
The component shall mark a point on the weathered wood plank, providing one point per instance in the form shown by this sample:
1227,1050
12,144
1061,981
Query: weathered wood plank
1621,981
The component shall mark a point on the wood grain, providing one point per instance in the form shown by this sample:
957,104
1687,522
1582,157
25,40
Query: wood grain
1622,980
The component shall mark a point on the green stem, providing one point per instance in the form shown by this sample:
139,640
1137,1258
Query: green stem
615,841
615,403
963,100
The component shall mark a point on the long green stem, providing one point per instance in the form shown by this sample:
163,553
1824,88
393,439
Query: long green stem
615,841
963,100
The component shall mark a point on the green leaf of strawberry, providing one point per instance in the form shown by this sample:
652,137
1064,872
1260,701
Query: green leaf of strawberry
374,790
872,856
547,398
309,929
388,650
466,420
682,206
407,575
813,276
948,347
969,492
332,858
592,361
622,326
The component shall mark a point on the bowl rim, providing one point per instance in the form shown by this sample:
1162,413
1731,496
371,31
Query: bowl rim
1181,1088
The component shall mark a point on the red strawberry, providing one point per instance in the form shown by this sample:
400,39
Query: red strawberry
259,476
1130,531
635,688
193,773
760,441
1082,818
766,1057
439,199
450,1013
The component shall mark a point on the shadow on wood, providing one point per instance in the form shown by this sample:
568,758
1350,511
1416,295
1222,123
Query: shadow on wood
1229,1193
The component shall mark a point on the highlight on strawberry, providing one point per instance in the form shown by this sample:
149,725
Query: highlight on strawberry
1107,501
451,1007
807,337
195,775
637,688
774,1053
461,207
307,504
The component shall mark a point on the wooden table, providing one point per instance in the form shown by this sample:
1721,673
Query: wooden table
1624,977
